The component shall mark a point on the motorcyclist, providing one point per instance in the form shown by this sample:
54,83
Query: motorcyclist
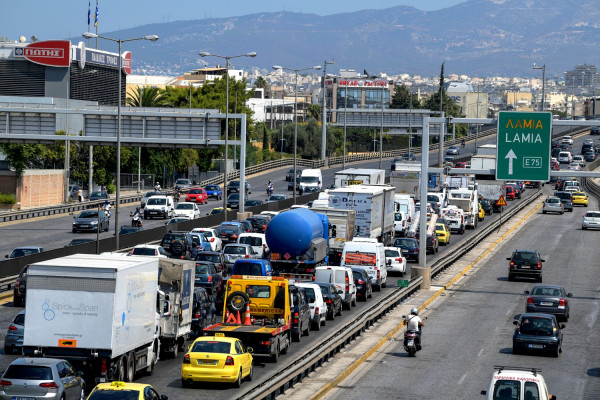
414,323
107,208
157,187
270,187
177,194
137,214
462,143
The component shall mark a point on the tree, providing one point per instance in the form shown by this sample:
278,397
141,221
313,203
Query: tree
449,106
401,98
261,83
314,111
147,97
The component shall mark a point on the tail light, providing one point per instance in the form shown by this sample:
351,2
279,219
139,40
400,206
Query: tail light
399,259
5,383
131,252
210,278
539,265
347,285
296,317
361,282
530,300
316,310
234,236
197,315
416,250
512,264
18,279
378,274
212,239
247,256
229,361
264,227
103,367
186,359
562,302
265,342
328,301
49,385
12,328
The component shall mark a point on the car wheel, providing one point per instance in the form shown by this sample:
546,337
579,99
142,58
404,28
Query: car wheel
511,277
306,331
185,383
238,382
251,373
583,228
295,337
74,230
544,212
539,279
353,303
556,352
516,350
8,350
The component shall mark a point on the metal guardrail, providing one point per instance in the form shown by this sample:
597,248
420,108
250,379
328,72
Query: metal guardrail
292,373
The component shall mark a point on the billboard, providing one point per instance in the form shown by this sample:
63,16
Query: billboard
53,53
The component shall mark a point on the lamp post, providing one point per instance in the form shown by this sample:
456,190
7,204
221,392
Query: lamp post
543,68
324,112
381,129
295,71
152,38
242,189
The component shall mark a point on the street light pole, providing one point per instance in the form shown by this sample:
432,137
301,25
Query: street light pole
152,38
381,130
242,189
324,112
345,114
316,67
543,68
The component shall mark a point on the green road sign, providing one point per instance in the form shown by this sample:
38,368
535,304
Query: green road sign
523,146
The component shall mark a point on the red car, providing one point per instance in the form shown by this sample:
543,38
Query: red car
510,193
460,164
197,195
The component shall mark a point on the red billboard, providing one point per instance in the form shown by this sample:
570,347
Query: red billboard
54,53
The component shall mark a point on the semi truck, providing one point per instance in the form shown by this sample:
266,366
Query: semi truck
96,311
483,162
299,242
374,207
341,230
466,200
258,311
176,288
406,178
357,176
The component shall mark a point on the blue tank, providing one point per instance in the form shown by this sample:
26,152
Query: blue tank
292,231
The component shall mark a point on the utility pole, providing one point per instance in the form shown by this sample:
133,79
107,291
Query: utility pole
324,112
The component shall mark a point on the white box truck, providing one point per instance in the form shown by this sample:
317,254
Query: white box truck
97,312
406,178
374,207
176,288
358,176
466,200
341,230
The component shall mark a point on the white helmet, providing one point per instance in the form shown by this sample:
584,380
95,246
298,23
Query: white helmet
414,311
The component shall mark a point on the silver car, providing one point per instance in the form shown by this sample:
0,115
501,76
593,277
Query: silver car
553,204
591,220
14,335
236,251
41,378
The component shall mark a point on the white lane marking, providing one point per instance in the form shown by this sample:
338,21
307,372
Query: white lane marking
508,312
479,354
462,379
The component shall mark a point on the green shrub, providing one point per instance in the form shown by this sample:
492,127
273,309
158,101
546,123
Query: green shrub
7,198
111,189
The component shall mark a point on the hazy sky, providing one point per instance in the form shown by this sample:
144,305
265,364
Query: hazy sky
57,19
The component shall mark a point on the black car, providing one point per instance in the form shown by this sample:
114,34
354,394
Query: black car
290,174
589,156
364,286
487,205
99,195
233,201
253,203
566,198
228,233
208,276
204,311
538,332
587,147
234,187
595,130
432,244
555,151
89,221
75,242
300,314
126,229
259,223
20,288
332,299
177,244
214,257
410,248
526,263
549,299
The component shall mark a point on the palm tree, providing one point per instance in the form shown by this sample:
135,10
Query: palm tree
261,83
146,97
314,111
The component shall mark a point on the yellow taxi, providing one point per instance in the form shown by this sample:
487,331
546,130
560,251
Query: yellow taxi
123,390
218,210
481,215
216,359
580,198
443,233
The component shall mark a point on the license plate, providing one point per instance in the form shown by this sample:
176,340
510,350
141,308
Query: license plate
525,267
207,362
219,334
545,303
535,346
85,226
153,212
23,398
410,342
404,251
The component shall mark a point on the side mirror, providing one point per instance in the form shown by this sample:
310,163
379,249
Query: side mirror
569,294
164,397
515,322
543,260
562,326
508,258
484,392
189,346
389,262
250,349
526,291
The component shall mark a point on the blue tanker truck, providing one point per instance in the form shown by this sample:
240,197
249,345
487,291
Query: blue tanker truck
299,242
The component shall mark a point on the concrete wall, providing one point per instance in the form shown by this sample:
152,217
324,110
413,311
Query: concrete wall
41,187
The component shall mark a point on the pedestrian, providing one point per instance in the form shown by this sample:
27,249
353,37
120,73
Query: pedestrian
80,194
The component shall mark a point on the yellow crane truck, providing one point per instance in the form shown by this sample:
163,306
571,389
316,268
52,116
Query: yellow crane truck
257,310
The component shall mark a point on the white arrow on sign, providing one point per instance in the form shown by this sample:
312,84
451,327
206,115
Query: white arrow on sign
511,156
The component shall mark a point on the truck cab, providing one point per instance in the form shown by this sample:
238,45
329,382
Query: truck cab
311,180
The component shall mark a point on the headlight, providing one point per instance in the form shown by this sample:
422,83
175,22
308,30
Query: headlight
94,222
163,208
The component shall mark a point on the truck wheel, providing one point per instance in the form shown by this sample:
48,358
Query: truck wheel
287,345
275,356
175,351
8,350
237,301
120,373
340,311
150,368
130,373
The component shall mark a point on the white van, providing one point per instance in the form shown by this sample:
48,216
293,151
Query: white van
311,180
159,206
565,157
404,202
343,279
517,383
318,307
368,254
257,241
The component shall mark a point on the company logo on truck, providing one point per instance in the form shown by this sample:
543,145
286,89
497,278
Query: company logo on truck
50,309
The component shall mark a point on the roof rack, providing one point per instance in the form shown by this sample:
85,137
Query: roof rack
534,370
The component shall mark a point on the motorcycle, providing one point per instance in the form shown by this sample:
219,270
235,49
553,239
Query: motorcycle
177,195
412,341
136,220
269,190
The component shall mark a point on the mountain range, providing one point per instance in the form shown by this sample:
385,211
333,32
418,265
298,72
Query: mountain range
477,37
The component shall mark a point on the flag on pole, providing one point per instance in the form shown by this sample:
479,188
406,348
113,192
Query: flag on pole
89,13
96,18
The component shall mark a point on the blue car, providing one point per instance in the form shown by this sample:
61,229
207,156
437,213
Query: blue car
214,191
409,246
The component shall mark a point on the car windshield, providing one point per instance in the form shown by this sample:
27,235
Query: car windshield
536,326
96,194
326,289
234,250
182,182
19,319
234,183
28,372
184,206
546,291
251,240
233,196
227,230
592,214
22,252
397,217
156,202
310,294
195,191
248,268
211,187
88,214
507,390
277,197
124,231
206,233
202,269
392,253
556,200
172,237
214,258
309,179
405,243
114,395
525,256
143,251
